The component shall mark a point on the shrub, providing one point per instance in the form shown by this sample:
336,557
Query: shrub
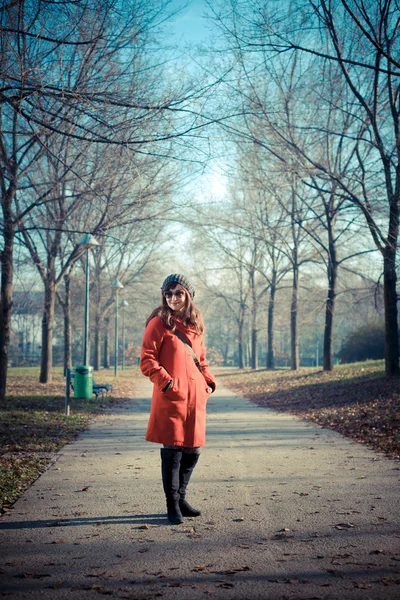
366,342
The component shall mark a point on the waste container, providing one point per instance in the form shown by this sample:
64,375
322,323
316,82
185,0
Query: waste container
83,382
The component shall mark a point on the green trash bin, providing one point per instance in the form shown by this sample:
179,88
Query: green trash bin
83,382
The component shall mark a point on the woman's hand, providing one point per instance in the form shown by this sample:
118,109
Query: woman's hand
166,388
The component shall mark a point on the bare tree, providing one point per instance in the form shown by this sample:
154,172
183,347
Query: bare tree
87,71
109,196
358,43
65,303
277,239
125,257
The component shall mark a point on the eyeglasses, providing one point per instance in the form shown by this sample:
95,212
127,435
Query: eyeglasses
178,294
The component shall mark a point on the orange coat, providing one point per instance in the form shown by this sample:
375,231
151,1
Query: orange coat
177,416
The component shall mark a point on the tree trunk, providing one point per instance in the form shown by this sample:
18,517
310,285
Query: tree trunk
98,320
106,355
294,340
6,299
254,332
67,325
330,309
97,348
46,362
240,345
67,343
391,323
225,353
254,348
271,315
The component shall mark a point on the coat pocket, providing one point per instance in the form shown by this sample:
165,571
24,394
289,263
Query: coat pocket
175,393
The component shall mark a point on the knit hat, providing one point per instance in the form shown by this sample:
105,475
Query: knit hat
175,279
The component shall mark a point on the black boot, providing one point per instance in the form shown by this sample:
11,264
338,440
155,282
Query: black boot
188,463
170,463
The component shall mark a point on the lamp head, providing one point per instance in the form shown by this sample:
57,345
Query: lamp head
117,285
88,241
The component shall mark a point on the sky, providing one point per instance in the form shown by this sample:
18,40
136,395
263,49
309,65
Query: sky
189,26
188,29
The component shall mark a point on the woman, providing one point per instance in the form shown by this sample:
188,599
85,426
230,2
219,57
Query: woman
181,389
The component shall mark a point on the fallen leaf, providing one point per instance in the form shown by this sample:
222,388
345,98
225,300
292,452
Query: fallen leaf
361,586
344,525
389,581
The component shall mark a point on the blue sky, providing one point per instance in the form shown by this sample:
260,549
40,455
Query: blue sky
189,25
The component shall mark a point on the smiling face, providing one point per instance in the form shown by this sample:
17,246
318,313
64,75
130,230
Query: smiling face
176,298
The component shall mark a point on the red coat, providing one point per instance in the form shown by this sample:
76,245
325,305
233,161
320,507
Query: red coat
177,416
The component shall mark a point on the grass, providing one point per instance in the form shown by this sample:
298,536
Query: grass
33,425
357,400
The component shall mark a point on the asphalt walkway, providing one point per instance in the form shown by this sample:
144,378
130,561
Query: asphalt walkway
289,511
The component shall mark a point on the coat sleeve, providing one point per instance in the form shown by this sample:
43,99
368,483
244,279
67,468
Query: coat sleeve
208,376
151,344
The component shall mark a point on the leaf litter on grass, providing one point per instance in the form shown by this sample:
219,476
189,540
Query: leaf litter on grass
356,400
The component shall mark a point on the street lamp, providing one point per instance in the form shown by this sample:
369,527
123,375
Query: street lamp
123,304
87,241
117,285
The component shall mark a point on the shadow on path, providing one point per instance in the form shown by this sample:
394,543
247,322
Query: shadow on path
148,519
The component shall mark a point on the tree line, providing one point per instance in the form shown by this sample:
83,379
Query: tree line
98,131
314,131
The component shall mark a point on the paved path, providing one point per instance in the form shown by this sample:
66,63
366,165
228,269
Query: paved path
290,511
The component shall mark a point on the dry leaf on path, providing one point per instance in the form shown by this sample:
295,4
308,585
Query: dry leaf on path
344,525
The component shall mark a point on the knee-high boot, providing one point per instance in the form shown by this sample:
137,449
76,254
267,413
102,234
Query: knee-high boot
188,463
170,465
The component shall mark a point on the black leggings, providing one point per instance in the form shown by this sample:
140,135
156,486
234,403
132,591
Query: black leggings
184,449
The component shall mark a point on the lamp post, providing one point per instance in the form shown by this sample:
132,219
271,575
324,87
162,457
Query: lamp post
123,304
117,285
87,241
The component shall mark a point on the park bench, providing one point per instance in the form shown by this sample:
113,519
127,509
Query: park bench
101,389
98,389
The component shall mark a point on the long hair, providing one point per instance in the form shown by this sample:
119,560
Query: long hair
191,316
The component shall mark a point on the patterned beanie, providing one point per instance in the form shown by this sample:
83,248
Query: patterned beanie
174,279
